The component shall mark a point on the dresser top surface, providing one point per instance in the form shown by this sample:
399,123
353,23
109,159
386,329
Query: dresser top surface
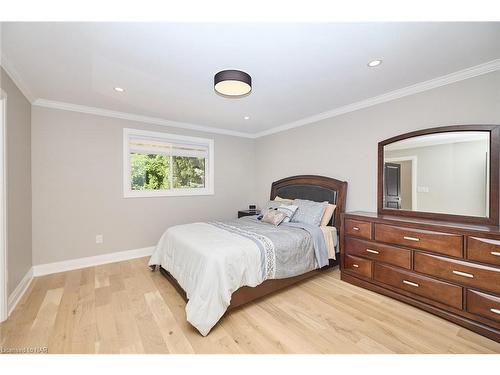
427,222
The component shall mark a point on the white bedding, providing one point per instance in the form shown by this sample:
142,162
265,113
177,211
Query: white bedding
210,264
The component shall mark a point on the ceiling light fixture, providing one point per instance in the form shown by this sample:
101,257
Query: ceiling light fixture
232,83
119,89
374,63
247,117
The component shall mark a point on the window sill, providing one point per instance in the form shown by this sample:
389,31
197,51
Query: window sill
166,193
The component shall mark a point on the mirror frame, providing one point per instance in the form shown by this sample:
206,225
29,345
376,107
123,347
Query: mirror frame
494,176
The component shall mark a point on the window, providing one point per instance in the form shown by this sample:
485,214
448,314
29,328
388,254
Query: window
161,164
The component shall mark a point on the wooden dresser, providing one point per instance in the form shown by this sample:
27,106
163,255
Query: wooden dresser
449,269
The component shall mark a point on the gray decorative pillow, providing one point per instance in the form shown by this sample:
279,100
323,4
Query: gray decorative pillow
309,212
274,217
271,205
288,210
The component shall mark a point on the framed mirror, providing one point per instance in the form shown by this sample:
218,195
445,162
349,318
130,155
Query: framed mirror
448,173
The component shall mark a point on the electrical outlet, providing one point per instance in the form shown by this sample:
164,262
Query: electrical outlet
99,238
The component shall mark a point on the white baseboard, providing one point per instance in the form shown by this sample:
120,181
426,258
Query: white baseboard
73,264
68,265
18,293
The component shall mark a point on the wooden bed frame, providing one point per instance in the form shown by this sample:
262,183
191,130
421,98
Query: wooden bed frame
311,187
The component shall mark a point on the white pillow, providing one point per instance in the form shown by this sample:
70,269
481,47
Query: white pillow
327,216
283,200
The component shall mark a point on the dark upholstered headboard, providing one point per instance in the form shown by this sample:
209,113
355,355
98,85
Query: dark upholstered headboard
314,188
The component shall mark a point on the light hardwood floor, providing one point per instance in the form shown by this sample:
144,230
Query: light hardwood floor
125,308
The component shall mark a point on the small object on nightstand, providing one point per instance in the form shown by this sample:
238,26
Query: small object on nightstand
242,213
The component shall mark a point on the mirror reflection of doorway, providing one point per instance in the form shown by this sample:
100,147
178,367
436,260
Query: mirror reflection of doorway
392,188
400,183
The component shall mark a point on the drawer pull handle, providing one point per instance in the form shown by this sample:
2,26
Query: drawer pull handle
496,311
495,253
411,238
355,266
355,228
464,274
410,283
372,251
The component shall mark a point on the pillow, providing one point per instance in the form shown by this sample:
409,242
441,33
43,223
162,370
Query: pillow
309,212
330,209
283,200
271,205
288,210
274,217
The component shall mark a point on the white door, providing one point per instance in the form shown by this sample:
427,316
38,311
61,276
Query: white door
3,247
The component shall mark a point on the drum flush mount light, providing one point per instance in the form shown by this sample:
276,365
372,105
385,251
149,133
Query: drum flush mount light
232,83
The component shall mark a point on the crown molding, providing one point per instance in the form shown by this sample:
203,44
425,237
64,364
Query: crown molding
134,117
460,75
16,78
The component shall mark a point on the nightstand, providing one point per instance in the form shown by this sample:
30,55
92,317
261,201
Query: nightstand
242,213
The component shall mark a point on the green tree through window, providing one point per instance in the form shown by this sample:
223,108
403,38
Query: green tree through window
149,171
189,172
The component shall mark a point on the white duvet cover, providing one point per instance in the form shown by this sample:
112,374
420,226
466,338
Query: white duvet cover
209,264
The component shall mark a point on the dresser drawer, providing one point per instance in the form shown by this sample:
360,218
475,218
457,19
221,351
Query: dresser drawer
474,275
358,228
358,266
379,252
483,250
483,304
436,290
439,242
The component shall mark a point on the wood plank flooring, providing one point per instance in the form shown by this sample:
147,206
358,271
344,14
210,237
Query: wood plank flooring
125,308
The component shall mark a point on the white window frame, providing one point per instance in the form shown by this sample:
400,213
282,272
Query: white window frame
209,166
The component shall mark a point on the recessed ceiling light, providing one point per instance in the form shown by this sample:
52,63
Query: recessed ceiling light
374,63
233,83
247,117
119,89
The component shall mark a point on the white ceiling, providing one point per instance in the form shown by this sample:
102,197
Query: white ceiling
298,70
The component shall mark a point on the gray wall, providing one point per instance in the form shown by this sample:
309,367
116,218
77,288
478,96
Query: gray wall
18,140
78,192
345,147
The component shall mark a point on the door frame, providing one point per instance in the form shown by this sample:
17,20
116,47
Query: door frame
414,189
4,312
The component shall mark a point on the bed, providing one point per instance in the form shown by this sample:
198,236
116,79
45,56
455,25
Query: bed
219,266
